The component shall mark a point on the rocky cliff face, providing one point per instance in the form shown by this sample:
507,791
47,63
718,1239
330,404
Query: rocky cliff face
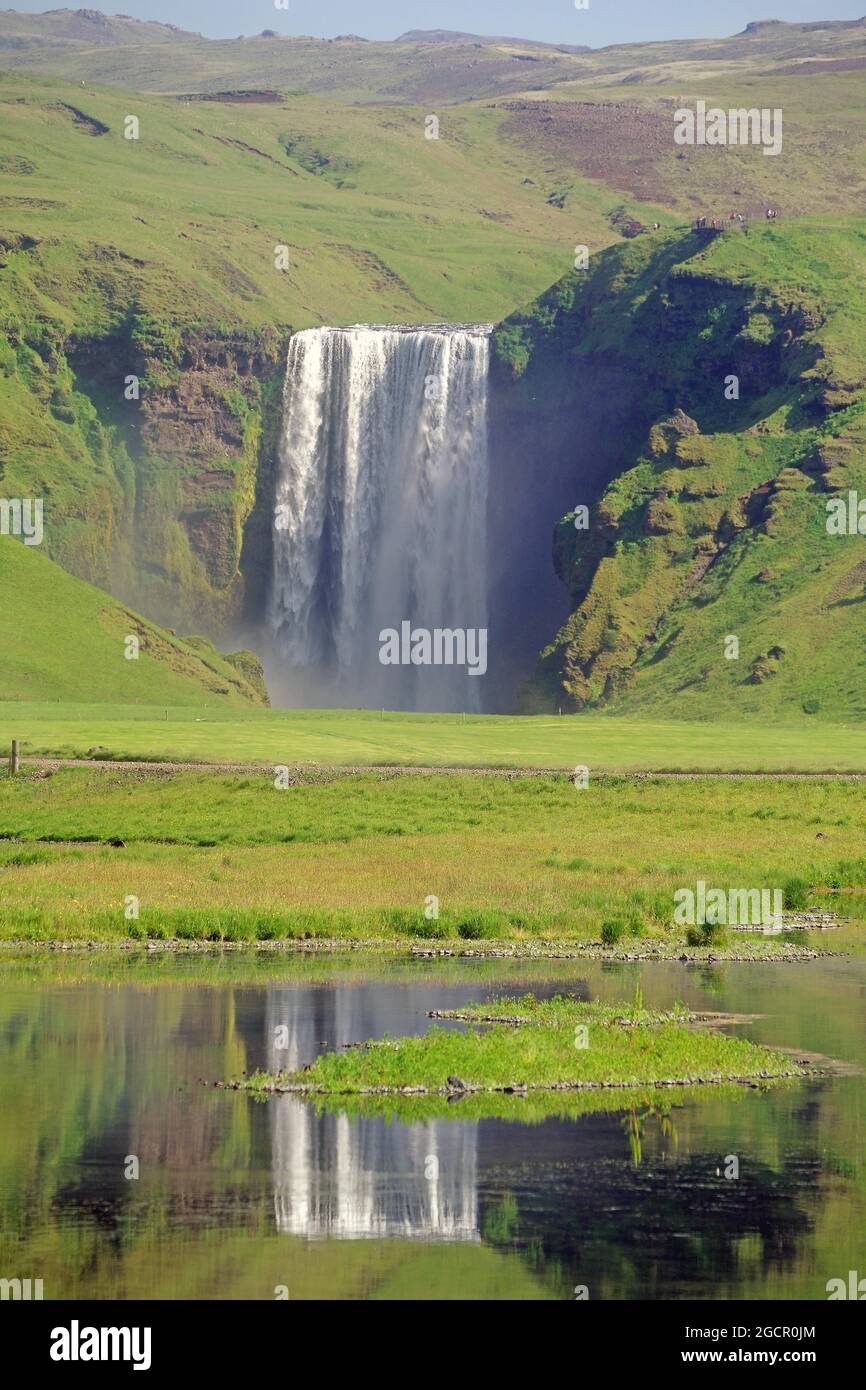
558,433
200,438
156,464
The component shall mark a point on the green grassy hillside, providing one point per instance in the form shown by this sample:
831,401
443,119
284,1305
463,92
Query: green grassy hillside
61,639
381,223
718,529
169,275
620,136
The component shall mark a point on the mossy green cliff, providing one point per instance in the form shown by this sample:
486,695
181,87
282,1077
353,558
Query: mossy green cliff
147,439
741,359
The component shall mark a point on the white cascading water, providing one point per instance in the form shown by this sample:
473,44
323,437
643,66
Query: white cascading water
380,511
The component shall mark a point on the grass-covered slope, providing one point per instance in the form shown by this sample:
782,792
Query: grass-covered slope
380,222
62,639
718,528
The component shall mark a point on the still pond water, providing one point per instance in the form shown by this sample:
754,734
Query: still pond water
103,1060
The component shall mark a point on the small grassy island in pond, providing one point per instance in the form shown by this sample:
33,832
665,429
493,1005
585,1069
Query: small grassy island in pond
527,1043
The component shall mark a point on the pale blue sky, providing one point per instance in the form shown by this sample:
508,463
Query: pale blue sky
554,21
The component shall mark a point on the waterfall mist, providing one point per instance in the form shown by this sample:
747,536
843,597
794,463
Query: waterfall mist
380,512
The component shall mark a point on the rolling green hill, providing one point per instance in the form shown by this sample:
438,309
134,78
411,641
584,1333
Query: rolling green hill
565,115
61,639
379,221
418,66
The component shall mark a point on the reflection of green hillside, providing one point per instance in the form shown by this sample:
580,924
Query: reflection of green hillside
214,968
75,1070
252,1264
56,1098
711,1232
797,1215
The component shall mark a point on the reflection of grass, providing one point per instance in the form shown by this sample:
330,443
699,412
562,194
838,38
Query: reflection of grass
501,1221
559,1041
533,1108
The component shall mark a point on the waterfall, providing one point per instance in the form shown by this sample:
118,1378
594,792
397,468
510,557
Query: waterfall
380,512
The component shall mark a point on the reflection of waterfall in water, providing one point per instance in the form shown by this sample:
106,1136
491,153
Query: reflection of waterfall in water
355,1178
380,511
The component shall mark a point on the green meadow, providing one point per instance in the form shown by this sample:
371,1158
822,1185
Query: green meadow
181,865
110,854
372,738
